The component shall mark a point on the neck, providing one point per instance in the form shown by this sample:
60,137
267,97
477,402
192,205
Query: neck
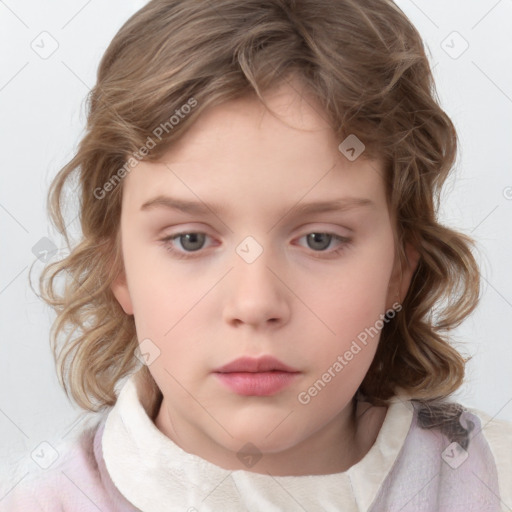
333,449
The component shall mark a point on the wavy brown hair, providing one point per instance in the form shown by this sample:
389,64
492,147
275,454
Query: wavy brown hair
366,66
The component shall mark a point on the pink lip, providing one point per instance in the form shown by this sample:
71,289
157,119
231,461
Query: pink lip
259,364
263,376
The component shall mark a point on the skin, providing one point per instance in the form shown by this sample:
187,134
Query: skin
297,302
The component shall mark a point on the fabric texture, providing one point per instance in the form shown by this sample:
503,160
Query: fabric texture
125,464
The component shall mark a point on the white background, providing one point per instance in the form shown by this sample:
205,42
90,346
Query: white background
43,117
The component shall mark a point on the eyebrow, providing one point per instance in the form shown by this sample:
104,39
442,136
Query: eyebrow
200,208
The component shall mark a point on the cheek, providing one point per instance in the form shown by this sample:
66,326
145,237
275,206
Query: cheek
162,309
171,307
354,295
348,307
158,298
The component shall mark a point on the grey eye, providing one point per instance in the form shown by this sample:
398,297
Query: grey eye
192,241
319,241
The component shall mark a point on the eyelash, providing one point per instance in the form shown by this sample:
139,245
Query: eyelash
166,242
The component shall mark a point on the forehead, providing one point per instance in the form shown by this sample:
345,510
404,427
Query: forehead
238,151
245,123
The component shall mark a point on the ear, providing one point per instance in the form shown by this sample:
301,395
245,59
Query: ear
120,290
401,278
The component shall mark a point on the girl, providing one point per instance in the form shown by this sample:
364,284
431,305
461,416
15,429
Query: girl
258,310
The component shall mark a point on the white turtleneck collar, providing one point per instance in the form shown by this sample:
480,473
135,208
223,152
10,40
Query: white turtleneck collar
153,472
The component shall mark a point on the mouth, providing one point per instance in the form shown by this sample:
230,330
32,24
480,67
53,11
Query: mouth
256,365
264,376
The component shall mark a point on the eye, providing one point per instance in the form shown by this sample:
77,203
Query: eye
190,242
319,242
193,242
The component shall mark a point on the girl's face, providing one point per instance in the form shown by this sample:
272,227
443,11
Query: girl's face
261,272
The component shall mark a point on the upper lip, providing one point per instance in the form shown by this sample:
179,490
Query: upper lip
255,365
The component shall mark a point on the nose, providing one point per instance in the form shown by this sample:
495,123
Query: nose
256,295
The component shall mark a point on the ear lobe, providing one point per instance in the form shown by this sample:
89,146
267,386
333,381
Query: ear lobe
120,290
400,281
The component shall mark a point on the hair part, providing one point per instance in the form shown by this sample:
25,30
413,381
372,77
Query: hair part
365,64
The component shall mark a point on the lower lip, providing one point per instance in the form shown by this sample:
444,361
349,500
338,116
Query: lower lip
257,384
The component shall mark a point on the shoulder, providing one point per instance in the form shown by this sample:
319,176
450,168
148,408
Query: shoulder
498,435
451,458
461,449
468,426
57,476
497,432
